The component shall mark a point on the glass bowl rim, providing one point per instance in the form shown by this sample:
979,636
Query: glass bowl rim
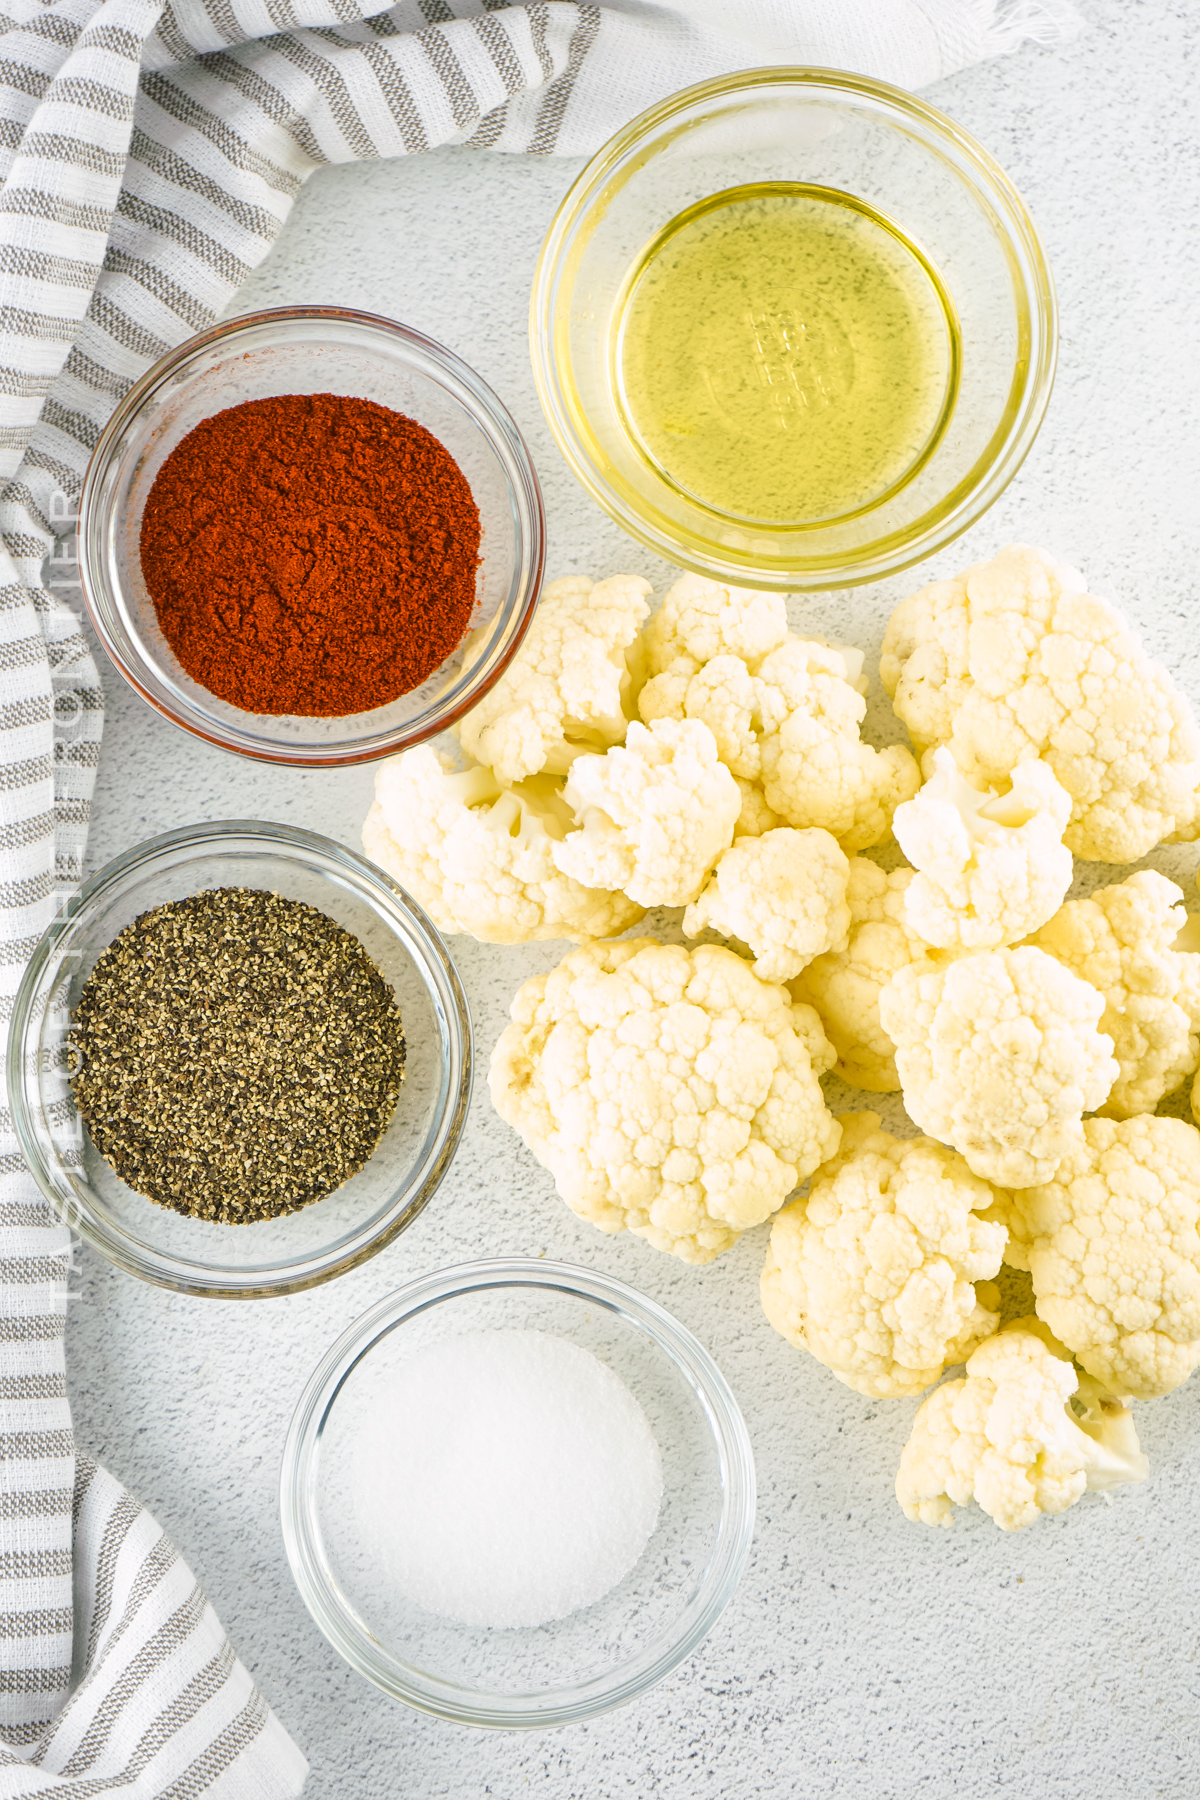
490,415
596,1694
220,1281
939,525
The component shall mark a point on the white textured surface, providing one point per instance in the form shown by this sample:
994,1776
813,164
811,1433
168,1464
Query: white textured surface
863,1657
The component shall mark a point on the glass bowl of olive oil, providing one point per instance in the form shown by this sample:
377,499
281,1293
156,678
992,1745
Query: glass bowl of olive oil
793,329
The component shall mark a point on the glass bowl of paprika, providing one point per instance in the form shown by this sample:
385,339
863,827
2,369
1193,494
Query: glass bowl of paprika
311,536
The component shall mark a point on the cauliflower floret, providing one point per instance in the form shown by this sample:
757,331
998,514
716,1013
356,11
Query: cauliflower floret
1113,1249
1188,944
1122,940
991,868
756,816
1022,1433
844,985
875,1271
478,857
568,687
724,695
669,1092
785,711
783,894
815,768
655,814
999,1054
806,1022
698,621
1013,660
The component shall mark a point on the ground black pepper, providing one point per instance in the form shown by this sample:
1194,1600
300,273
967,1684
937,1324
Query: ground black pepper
238,1055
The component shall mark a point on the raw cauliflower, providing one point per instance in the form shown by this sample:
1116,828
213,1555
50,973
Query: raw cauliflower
1023,1433
655,814
1013,660
756,816
699,621
845,985
570,686
670,1092
999,1054
783,894
479,857
785,712
1113,1249
1122,940
1188,941
991,868
815,768
875,1272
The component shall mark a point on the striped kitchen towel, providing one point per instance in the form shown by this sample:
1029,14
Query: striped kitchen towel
150,151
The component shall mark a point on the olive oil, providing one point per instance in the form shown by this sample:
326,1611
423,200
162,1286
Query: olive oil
785,354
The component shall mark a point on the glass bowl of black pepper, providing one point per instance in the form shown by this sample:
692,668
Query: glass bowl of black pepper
311,536
240,1062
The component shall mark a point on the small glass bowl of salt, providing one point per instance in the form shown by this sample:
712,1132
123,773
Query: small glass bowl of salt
517,1494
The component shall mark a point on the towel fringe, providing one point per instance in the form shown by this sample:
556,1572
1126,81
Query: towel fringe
1006,24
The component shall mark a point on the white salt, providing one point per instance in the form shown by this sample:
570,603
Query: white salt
506,1478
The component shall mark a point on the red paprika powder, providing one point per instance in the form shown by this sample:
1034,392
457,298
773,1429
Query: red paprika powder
311,554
